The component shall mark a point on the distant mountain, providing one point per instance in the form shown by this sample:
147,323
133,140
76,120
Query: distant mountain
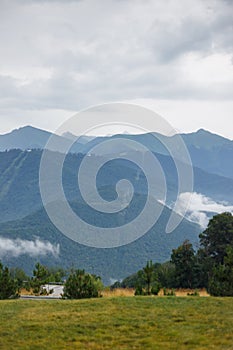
24,138
28,137
208,151
205,140
81,139
19,181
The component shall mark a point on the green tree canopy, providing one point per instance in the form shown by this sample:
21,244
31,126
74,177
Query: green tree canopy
20,277
80,285
221,281
185,265
218,235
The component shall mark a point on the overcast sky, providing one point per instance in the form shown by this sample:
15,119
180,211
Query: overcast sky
57,57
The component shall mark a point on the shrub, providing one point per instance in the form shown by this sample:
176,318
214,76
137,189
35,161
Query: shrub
170,293
155,289
194,294
139,291
80,285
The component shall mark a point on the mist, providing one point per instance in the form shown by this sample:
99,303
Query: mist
17,247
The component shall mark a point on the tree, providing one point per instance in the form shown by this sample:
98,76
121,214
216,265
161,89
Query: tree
204,265
221,281
20,277
166,275
148,271
218,235
80,285
8,287
145,281
56,274
43,275
185,265
40,277
216,241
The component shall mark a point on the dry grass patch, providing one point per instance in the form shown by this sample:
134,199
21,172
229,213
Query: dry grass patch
129,292
118,292
184,292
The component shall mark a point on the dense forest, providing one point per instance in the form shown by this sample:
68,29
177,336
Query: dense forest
210,267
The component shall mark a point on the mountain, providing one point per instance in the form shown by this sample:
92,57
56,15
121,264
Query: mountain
110,264
19,181
209,152
24,138
28,137
81,139
23,217
205,140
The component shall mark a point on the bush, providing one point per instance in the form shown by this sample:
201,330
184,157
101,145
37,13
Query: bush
170,293
139,291
155,289
80,285
195,294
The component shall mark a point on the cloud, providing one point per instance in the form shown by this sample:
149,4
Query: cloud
58,57
200,207
17,247
72,54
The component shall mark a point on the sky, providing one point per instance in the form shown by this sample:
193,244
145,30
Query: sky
175,57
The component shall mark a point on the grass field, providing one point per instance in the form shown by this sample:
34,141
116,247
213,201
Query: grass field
118,323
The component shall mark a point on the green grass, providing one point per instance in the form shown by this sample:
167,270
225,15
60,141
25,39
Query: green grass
117,323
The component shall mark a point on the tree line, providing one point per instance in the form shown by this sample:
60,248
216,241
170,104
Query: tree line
77,283
210,267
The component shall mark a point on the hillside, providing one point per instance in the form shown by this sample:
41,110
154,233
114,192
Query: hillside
110,264
19,181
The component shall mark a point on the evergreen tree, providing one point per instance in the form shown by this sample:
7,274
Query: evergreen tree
185,266
218,235
215,254
221,281
8,286
148,271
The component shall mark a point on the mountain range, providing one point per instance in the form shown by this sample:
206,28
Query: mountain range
24,220
210,152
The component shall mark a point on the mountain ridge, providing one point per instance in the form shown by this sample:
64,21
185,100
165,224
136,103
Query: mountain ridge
20,200
20,192
208,151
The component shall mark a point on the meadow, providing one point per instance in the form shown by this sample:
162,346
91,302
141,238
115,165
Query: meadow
118,323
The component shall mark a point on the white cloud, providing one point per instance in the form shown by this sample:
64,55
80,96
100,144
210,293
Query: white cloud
17,247
199,207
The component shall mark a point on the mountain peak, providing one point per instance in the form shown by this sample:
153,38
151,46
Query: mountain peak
203,131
